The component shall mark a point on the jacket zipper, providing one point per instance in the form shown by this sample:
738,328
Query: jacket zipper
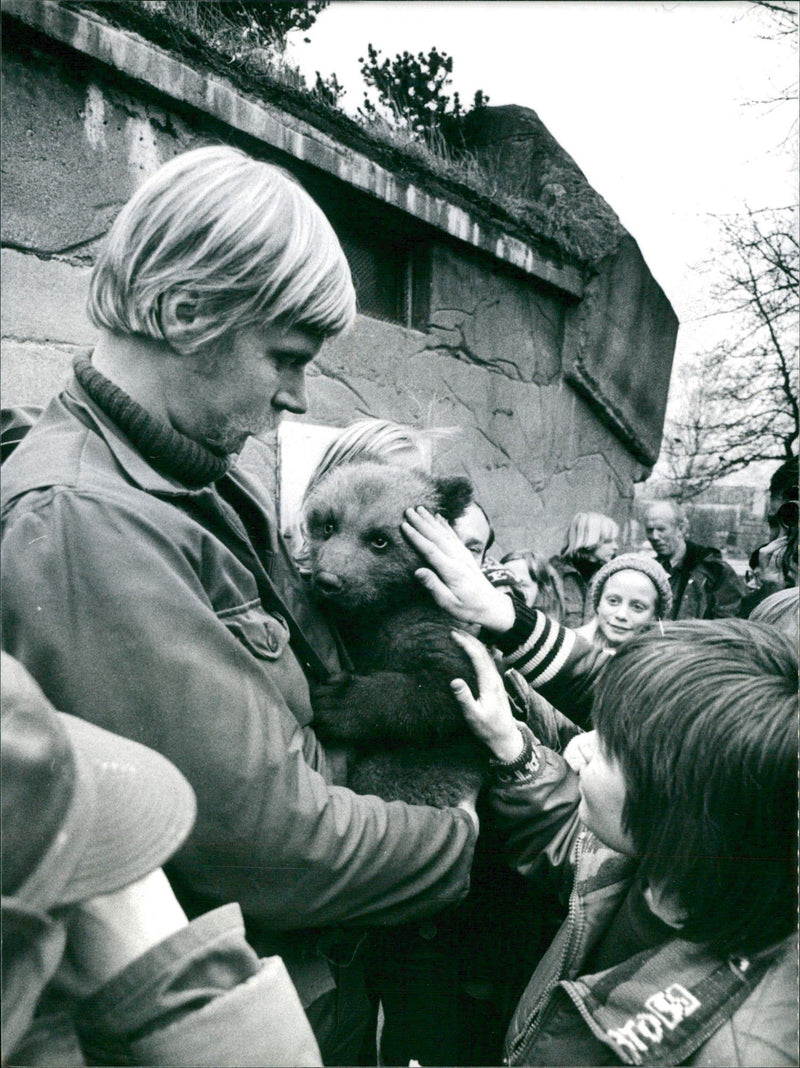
533,1025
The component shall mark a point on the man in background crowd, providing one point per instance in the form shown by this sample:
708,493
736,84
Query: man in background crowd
703,585
475,530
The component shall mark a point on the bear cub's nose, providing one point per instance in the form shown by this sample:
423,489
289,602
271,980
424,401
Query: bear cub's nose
327,582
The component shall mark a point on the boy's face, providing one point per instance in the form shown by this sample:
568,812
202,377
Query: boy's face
602,787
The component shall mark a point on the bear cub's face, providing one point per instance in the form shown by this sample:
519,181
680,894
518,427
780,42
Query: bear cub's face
359,560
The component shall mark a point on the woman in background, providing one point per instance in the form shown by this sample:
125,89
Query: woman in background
592,540
382,438
366,439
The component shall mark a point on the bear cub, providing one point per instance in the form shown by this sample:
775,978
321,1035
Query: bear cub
397,711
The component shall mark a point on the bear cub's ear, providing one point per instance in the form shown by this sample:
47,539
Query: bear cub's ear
455,494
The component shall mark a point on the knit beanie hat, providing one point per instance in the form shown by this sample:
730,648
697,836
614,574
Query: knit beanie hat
632,562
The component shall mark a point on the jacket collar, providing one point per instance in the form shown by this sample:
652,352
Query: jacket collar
661,1005
135,466
69,445
695,554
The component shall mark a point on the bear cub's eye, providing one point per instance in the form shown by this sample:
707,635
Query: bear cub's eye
328,528
378,540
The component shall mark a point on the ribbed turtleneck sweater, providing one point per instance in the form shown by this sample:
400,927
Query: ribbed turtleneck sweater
173,454
167,450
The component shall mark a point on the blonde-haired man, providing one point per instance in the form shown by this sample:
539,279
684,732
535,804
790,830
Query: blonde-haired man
146,589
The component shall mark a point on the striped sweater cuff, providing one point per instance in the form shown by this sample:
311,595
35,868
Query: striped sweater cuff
536,646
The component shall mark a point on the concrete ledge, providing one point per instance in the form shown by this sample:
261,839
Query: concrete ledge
25,316
137,58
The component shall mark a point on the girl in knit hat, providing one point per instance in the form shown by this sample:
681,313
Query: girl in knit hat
627,594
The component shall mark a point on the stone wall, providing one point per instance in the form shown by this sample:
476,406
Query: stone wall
81,128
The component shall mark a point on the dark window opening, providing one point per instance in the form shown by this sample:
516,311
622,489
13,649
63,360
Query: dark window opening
391,278
387,252
381,276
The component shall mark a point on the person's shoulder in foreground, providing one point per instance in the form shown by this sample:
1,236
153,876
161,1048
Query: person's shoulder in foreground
100,964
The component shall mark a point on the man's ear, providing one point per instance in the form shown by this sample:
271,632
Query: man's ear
182,323
178,312
455,494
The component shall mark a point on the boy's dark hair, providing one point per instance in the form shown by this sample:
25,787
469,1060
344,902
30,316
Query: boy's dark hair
703,723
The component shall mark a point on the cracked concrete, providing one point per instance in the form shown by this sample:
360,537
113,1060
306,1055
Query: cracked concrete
461,349
536,453
524,371
514,328
80,148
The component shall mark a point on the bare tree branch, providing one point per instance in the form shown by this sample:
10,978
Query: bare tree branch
740,399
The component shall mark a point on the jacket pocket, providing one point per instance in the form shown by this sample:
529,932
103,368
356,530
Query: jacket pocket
265,636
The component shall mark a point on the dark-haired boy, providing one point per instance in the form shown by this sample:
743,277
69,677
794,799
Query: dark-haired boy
676,840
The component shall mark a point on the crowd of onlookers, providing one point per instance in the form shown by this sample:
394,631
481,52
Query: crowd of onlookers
608,598
187,878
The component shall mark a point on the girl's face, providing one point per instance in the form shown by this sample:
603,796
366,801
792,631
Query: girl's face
606,550
627,603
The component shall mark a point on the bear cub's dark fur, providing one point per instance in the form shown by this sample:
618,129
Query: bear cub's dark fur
397,711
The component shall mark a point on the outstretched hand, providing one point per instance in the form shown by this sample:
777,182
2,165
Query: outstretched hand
453,578
489,717
580,750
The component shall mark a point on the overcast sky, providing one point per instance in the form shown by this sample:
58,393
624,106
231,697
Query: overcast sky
657,102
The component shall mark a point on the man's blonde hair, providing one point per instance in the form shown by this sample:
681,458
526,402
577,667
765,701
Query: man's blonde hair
238,240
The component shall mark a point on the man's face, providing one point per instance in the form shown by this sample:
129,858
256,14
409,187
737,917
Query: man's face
472,528
663,530
602,788
243,391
